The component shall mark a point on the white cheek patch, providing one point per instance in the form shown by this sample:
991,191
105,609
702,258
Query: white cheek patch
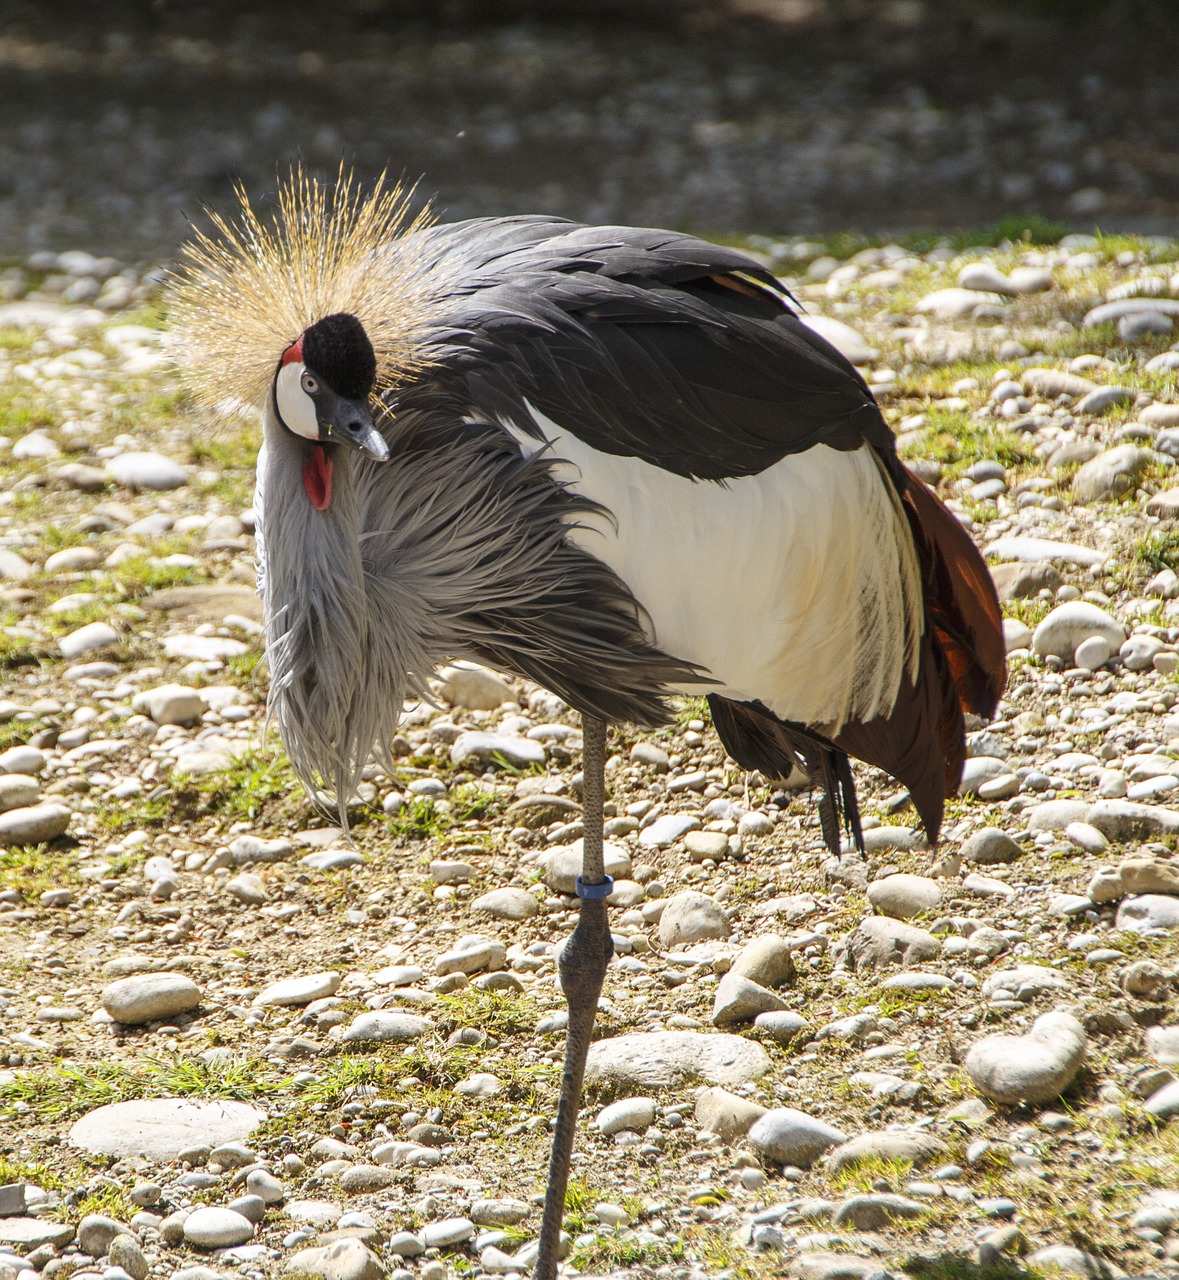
295,406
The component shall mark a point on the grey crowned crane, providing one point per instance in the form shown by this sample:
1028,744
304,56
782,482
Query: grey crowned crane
612,461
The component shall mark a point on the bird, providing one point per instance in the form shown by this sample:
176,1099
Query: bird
613,461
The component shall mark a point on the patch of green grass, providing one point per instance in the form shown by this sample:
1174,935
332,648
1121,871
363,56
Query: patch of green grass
469,801
34,869
141,575
623,1249
40,1175
63,1090
18,650
420,819
107,1199
151,810
244,669
254,780
499,1013
863,1173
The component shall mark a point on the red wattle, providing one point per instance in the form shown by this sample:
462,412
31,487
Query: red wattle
317,478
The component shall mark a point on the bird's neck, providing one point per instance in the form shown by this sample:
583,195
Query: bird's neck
312,581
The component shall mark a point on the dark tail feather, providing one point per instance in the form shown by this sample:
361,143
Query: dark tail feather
962,666
757,739
960,599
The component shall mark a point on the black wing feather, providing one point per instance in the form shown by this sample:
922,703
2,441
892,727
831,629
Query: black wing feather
625,338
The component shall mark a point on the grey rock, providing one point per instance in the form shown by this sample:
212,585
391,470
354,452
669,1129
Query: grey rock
161,1128
1055,815
499,1213
1109,312
1073,1261
150,997
766,960
1122,820
248,889
1032,1068
488,748
875,1212
726,1114
170,704
662,1059
385,1026
842,337
649,754
1055,382
88,639
1162,1043
1103,400
467,685
125,1251
833,1266
294,992
1020,580
880,940
563,864
913,1146
1019,547
706,844
1071,623
363,1178
1024,982
627,1113
450,1231
787,1136
95,1233
1110,474
903,896
34,824
1148,911
340,1260
692,917
979,770
781,1027
18,791
666,830
507,904
27,1234
146,471
991,847
215,1228
739,999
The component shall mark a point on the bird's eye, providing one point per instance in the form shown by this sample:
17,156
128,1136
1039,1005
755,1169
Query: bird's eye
310,384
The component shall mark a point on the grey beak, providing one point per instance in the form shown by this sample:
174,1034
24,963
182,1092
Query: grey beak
351,423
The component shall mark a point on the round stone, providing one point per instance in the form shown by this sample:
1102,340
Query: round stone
903,896
214,1228
1070,624
628,1113
1032,1068
146,471
150,997
298,991
35,824
159,1129
787,1136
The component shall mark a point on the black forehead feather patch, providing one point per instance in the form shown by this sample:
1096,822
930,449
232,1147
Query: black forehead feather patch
338,351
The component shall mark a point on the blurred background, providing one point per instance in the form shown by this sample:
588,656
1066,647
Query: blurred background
120,121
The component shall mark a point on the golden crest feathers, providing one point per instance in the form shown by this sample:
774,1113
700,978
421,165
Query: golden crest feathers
245,291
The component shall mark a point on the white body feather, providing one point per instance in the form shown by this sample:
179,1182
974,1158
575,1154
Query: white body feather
798,586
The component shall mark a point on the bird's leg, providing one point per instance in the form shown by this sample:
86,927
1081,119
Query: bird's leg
582,963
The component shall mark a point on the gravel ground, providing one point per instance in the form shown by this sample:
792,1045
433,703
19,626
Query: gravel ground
119,124
229,1035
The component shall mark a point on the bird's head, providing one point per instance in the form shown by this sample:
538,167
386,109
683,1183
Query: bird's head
322,387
